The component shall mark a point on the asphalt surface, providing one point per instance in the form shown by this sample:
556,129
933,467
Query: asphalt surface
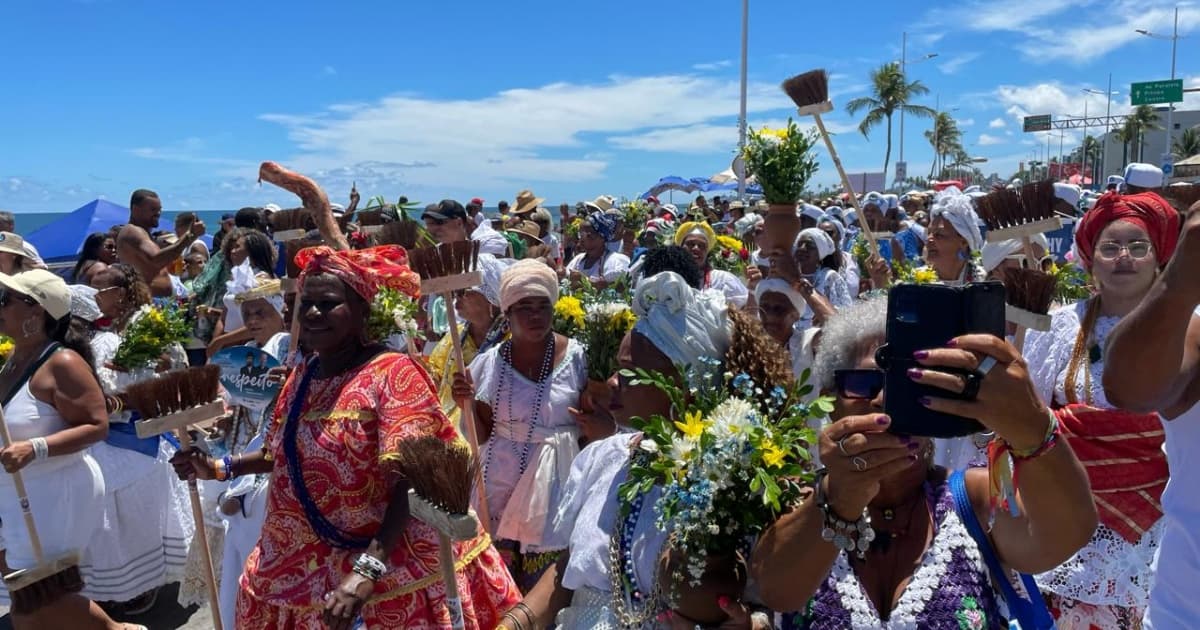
167,614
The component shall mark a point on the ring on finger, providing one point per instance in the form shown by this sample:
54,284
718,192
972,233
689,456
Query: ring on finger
860,464
841,444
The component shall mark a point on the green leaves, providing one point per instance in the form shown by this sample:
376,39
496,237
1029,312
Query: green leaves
782,160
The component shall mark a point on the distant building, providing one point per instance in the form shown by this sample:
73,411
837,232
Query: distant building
1153,145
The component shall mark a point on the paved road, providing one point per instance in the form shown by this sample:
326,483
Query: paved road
167,614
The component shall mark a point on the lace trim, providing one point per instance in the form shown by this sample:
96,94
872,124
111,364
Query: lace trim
1108,571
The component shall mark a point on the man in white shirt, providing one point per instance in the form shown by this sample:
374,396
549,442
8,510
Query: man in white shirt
447,221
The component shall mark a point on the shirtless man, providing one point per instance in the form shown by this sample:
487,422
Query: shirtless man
134,245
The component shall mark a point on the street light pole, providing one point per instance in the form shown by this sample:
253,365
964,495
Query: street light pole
1171,106
742,118
904,77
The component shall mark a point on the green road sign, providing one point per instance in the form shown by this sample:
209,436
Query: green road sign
1037,123
1156,92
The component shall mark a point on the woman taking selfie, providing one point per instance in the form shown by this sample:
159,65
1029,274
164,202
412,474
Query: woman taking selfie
880,543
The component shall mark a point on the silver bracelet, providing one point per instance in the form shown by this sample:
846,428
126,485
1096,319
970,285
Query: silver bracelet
369,567
848,536
41,450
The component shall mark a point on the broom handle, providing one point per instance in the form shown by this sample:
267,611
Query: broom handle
294,341
468,413
210,576
1028,245
837,162
23,496
1019,338
446,559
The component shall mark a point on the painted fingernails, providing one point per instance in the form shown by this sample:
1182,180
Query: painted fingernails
912,458
921,354
951,343
925,401
723,601
915,373
882,421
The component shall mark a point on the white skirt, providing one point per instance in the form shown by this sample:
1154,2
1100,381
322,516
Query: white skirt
144,538
67,503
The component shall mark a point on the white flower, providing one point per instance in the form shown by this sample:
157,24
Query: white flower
731,419
648,445
681,448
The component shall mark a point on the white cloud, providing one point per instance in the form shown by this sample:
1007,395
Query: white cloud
953,64
987,140
710,138
517,136
966,122
713,65
1072,31
997,123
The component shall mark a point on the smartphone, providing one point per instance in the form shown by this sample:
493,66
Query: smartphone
924,316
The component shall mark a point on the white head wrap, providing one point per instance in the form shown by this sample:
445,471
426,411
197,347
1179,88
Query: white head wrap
244,286
957,209
686,325
819,238
837,225
492,268
747,223
83,303
527,278
893,201
994,253
811,211
779,285
876,199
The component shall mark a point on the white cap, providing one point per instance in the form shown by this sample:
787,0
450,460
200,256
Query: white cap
1143,175
337,208
47,289
1069,193
811,211
1114,180
272,207
83,303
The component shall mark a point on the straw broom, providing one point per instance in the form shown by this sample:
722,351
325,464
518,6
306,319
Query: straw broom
440,475
444,269
174,402
810,93
49,579
1028,294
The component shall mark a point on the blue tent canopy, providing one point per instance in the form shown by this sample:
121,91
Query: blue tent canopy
62,240
696,184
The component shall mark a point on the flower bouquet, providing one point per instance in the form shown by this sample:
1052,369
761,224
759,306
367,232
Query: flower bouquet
6,349
730,255
729,461
392,313
782,161
568,316
150,333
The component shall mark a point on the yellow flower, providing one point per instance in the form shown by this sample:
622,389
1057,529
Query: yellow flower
1053,269
156,317
925,276
728,242
772,454
6,348
623,322
692,426
571,309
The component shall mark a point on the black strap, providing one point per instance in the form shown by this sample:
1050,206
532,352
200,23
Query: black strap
29,371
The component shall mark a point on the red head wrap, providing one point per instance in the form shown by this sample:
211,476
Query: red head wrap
364,270
1147,210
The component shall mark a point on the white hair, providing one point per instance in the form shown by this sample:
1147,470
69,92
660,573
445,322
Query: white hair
843,335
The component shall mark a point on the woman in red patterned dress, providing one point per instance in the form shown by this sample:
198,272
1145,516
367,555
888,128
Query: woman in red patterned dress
338,544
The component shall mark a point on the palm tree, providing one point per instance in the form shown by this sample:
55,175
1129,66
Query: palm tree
1187,144
890,92
944,137
1142,119
1125,134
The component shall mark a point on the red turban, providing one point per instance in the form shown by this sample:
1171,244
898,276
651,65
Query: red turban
1146,210
364,270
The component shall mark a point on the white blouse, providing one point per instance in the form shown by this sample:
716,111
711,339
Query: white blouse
1108,570
528,456
729,285
612,265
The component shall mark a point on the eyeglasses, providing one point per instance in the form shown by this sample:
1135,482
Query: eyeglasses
6,297
858,384
1111,250
107,289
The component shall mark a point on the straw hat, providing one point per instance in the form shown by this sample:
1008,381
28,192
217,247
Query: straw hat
528,229
526,202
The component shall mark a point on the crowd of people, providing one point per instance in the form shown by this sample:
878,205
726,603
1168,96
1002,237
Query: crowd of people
308,515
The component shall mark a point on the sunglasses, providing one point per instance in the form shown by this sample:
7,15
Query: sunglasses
858,384
6,297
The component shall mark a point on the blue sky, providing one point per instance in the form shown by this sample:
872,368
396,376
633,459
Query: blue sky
462,99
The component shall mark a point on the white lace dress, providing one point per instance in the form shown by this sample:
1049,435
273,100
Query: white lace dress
1108,571
147,524
528,457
